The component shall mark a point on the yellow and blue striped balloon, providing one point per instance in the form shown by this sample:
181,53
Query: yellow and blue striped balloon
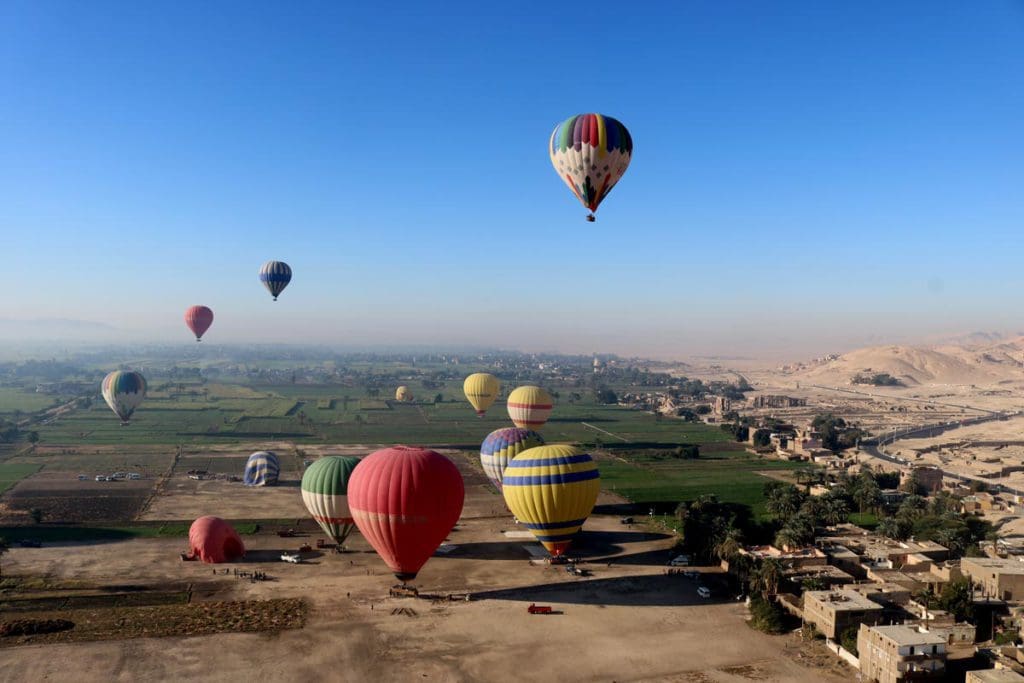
552,491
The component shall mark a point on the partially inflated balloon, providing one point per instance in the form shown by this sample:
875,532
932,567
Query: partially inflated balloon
481,390
403,393
325,486
198,319
552,490
529,407
590,152
123,392
405,502
501,446
275,276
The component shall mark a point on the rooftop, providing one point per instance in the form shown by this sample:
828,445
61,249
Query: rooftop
1009,565
843,600
909,635
996,676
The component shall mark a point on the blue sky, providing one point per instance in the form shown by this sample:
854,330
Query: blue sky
806,175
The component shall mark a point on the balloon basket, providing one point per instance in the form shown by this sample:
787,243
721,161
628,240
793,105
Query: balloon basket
591,218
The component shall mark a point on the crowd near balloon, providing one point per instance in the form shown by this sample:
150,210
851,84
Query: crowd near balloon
403,500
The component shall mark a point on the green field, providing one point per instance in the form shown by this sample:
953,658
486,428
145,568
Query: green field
13,399
727,472
11,474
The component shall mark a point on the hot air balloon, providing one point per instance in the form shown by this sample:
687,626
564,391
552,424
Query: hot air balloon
481,389
552,490
590,152
405,501
199,319
212,540
325,486
529,407
275,276
403,393
501,446
123,392
261,469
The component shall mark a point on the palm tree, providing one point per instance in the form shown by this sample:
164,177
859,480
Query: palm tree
767,577
889,528
788,538
836,511
729,546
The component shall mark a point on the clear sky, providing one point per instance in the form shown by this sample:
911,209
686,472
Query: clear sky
806,175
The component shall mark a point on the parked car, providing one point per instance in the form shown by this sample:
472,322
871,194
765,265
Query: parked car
291,557
679,561
704,592
626,520
691,575
82,477
100,477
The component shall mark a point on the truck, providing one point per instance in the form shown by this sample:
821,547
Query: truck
539,609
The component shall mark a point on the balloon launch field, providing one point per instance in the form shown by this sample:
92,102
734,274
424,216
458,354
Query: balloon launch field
639,622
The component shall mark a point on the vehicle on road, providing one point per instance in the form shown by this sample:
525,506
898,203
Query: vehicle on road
626,520
691,575
294,558
679,561
704,592
539,609
100,477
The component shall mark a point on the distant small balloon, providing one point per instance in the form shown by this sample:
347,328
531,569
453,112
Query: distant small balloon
198,319
123,392
275,276
481,390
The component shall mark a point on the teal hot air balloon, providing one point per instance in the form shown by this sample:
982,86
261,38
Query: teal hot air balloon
123,392
325,493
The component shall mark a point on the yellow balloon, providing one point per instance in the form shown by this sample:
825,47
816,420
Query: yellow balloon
529,407
403,394
481,390
552,490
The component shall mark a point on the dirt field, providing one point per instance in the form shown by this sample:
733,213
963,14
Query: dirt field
629,622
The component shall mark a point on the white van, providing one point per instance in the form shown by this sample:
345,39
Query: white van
704,592
680,561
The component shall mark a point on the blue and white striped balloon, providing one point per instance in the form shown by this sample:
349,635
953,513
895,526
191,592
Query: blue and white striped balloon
262,469
275,276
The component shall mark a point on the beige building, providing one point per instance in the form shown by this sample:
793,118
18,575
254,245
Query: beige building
993,676
891,654
927,476
996,577
832,612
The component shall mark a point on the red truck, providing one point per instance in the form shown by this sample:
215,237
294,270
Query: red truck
539,609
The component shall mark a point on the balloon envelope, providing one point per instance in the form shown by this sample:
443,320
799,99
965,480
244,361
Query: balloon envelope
403,393
198,319
529,407
212,540
123,392
275,276
590,152
325,486
405,502
501,446
552,490
481,390
261,469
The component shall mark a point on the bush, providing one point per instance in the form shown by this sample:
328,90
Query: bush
848,639
766,616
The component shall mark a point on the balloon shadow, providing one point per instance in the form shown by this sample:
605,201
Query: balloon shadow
629,591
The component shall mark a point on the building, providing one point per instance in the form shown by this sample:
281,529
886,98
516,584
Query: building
996,577
721,406
891,654
993,676
774,401
928,477
833,612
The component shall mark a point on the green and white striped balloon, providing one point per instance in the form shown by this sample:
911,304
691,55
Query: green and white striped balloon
325,493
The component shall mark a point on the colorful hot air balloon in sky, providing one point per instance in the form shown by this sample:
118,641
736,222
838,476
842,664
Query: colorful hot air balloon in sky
501,446
481,390
405,502
325,486
275,276
123,392
261,469
211,539
552,490
529,407
198,319
590,152
403,393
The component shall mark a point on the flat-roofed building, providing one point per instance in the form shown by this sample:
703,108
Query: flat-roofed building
833,612
892,654
993,676
997,577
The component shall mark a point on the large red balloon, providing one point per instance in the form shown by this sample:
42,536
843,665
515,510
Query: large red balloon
405,501
211,539
198,319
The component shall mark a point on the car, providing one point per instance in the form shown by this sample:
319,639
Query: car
691,575
291,557
679,561
704,592
135,475
100,477
82,477
626,520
